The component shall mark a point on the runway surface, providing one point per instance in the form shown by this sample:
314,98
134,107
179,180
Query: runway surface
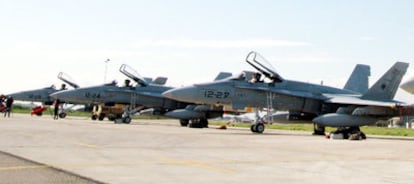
79,150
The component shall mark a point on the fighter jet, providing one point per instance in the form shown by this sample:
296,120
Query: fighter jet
275,92
144,95
43,95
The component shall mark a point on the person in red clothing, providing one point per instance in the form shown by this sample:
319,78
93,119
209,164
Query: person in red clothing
9,104
56,110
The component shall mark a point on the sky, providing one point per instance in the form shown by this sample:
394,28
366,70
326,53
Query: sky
191,41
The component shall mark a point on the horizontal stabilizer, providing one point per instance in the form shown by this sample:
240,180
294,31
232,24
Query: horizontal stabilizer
354,100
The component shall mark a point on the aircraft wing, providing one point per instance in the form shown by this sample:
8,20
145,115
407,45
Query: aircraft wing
353,100
328,98
303,94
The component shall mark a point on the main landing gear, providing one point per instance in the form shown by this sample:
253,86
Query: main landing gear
198,123
258,128
318,129
351,133
194,123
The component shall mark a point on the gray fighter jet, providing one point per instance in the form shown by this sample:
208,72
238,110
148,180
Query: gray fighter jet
299,98
144,95
43,95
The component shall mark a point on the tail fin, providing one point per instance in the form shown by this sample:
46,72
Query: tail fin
358,81
386,87
160,80
222,75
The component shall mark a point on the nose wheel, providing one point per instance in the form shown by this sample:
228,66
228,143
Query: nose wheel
257,128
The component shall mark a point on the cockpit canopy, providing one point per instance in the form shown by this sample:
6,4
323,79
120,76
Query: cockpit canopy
263,66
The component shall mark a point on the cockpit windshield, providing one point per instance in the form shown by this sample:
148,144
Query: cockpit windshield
113,83
243,76
51,87
238,77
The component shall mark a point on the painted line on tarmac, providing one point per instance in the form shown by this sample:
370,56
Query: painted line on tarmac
195,164
23,167
87,145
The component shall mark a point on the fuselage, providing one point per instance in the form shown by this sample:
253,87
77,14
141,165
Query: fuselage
148,96
38,95
239,93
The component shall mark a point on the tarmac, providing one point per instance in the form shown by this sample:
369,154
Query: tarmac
78,150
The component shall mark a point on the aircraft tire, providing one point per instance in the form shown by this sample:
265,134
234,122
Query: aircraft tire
184,122
111,117
259,128
195,124
203,123
101,118
94,117
318,130
62,115
253,128
126,120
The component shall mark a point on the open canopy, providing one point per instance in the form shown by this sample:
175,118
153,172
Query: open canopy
67,79
133,74
263,66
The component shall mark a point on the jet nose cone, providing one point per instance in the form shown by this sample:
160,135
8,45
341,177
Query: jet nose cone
54,95
169,94
186,94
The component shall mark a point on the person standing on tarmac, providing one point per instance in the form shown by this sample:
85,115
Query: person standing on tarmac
57,104
56,110
9,104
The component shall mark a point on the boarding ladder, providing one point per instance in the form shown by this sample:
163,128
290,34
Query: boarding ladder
269,104
132,102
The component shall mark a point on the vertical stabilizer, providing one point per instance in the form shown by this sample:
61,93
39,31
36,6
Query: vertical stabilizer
386,87
359,79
